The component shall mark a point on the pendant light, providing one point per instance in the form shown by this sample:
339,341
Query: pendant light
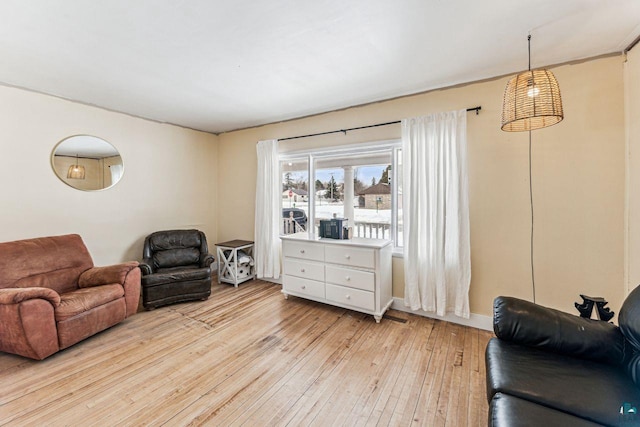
531,100
76,171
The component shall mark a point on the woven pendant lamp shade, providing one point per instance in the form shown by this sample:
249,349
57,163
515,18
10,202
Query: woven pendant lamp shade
531,101
76,171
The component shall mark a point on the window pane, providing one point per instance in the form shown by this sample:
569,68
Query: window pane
295,195
329,193
356,187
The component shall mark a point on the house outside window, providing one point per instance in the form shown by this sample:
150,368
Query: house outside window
358,182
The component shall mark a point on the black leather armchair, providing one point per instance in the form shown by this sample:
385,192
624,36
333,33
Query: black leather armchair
550,368
176,267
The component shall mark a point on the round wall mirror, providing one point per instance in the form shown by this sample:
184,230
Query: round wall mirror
87,163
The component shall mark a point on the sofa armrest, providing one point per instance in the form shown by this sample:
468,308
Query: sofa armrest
206,261
533,325
146,267
97,276
27,316
28,321
18,295
126,274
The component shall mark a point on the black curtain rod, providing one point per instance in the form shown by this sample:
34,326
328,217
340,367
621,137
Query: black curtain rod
476,109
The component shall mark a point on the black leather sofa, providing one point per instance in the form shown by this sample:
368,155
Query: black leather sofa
550,368
176,267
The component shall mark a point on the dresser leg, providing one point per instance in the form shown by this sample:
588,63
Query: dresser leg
286,296
378,318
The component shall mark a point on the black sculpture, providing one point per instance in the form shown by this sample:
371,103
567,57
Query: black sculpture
585,309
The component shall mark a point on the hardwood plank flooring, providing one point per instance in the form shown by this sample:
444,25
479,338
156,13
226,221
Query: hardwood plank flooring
249,357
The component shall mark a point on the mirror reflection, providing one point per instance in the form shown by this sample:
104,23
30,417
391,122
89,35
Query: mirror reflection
87,163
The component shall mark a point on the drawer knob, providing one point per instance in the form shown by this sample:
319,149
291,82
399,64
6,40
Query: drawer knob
303,287
301,251
302,270
347,256
348,296
347,278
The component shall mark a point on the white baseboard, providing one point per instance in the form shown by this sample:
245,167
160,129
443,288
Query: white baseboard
475,320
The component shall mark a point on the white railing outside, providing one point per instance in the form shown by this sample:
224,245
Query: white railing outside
372,230
368,230
291,226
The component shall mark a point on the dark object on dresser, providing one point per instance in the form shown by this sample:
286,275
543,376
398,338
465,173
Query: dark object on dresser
52,296
551,368
176,267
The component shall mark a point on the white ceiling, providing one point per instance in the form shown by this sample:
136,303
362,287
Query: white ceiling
219,65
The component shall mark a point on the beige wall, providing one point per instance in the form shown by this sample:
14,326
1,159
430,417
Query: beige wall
632,99
170,178
579,178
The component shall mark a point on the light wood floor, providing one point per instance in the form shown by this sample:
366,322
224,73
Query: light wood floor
249,357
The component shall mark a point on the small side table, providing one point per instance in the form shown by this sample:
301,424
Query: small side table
230,269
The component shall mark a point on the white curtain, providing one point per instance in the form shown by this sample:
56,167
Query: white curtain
267,217
116,173
437,264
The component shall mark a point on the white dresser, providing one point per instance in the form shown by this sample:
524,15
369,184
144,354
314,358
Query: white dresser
354,274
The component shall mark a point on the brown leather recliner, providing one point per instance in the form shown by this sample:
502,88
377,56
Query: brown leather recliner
51,295
176,267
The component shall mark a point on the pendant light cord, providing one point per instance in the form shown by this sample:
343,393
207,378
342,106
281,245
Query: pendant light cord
533,279
529,47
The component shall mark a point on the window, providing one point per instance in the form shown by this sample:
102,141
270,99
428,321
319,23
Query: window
295,195
361,183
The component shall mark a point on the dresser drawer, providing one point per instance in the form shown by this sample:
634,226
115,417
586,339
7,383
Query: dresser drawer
305,269
302,287
349,255
364,280
303,250
353,297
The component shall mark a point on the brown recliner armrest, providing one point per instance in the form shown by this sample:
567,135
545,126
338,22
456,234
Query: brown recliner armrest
18,295
126,274
97,276
28,323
